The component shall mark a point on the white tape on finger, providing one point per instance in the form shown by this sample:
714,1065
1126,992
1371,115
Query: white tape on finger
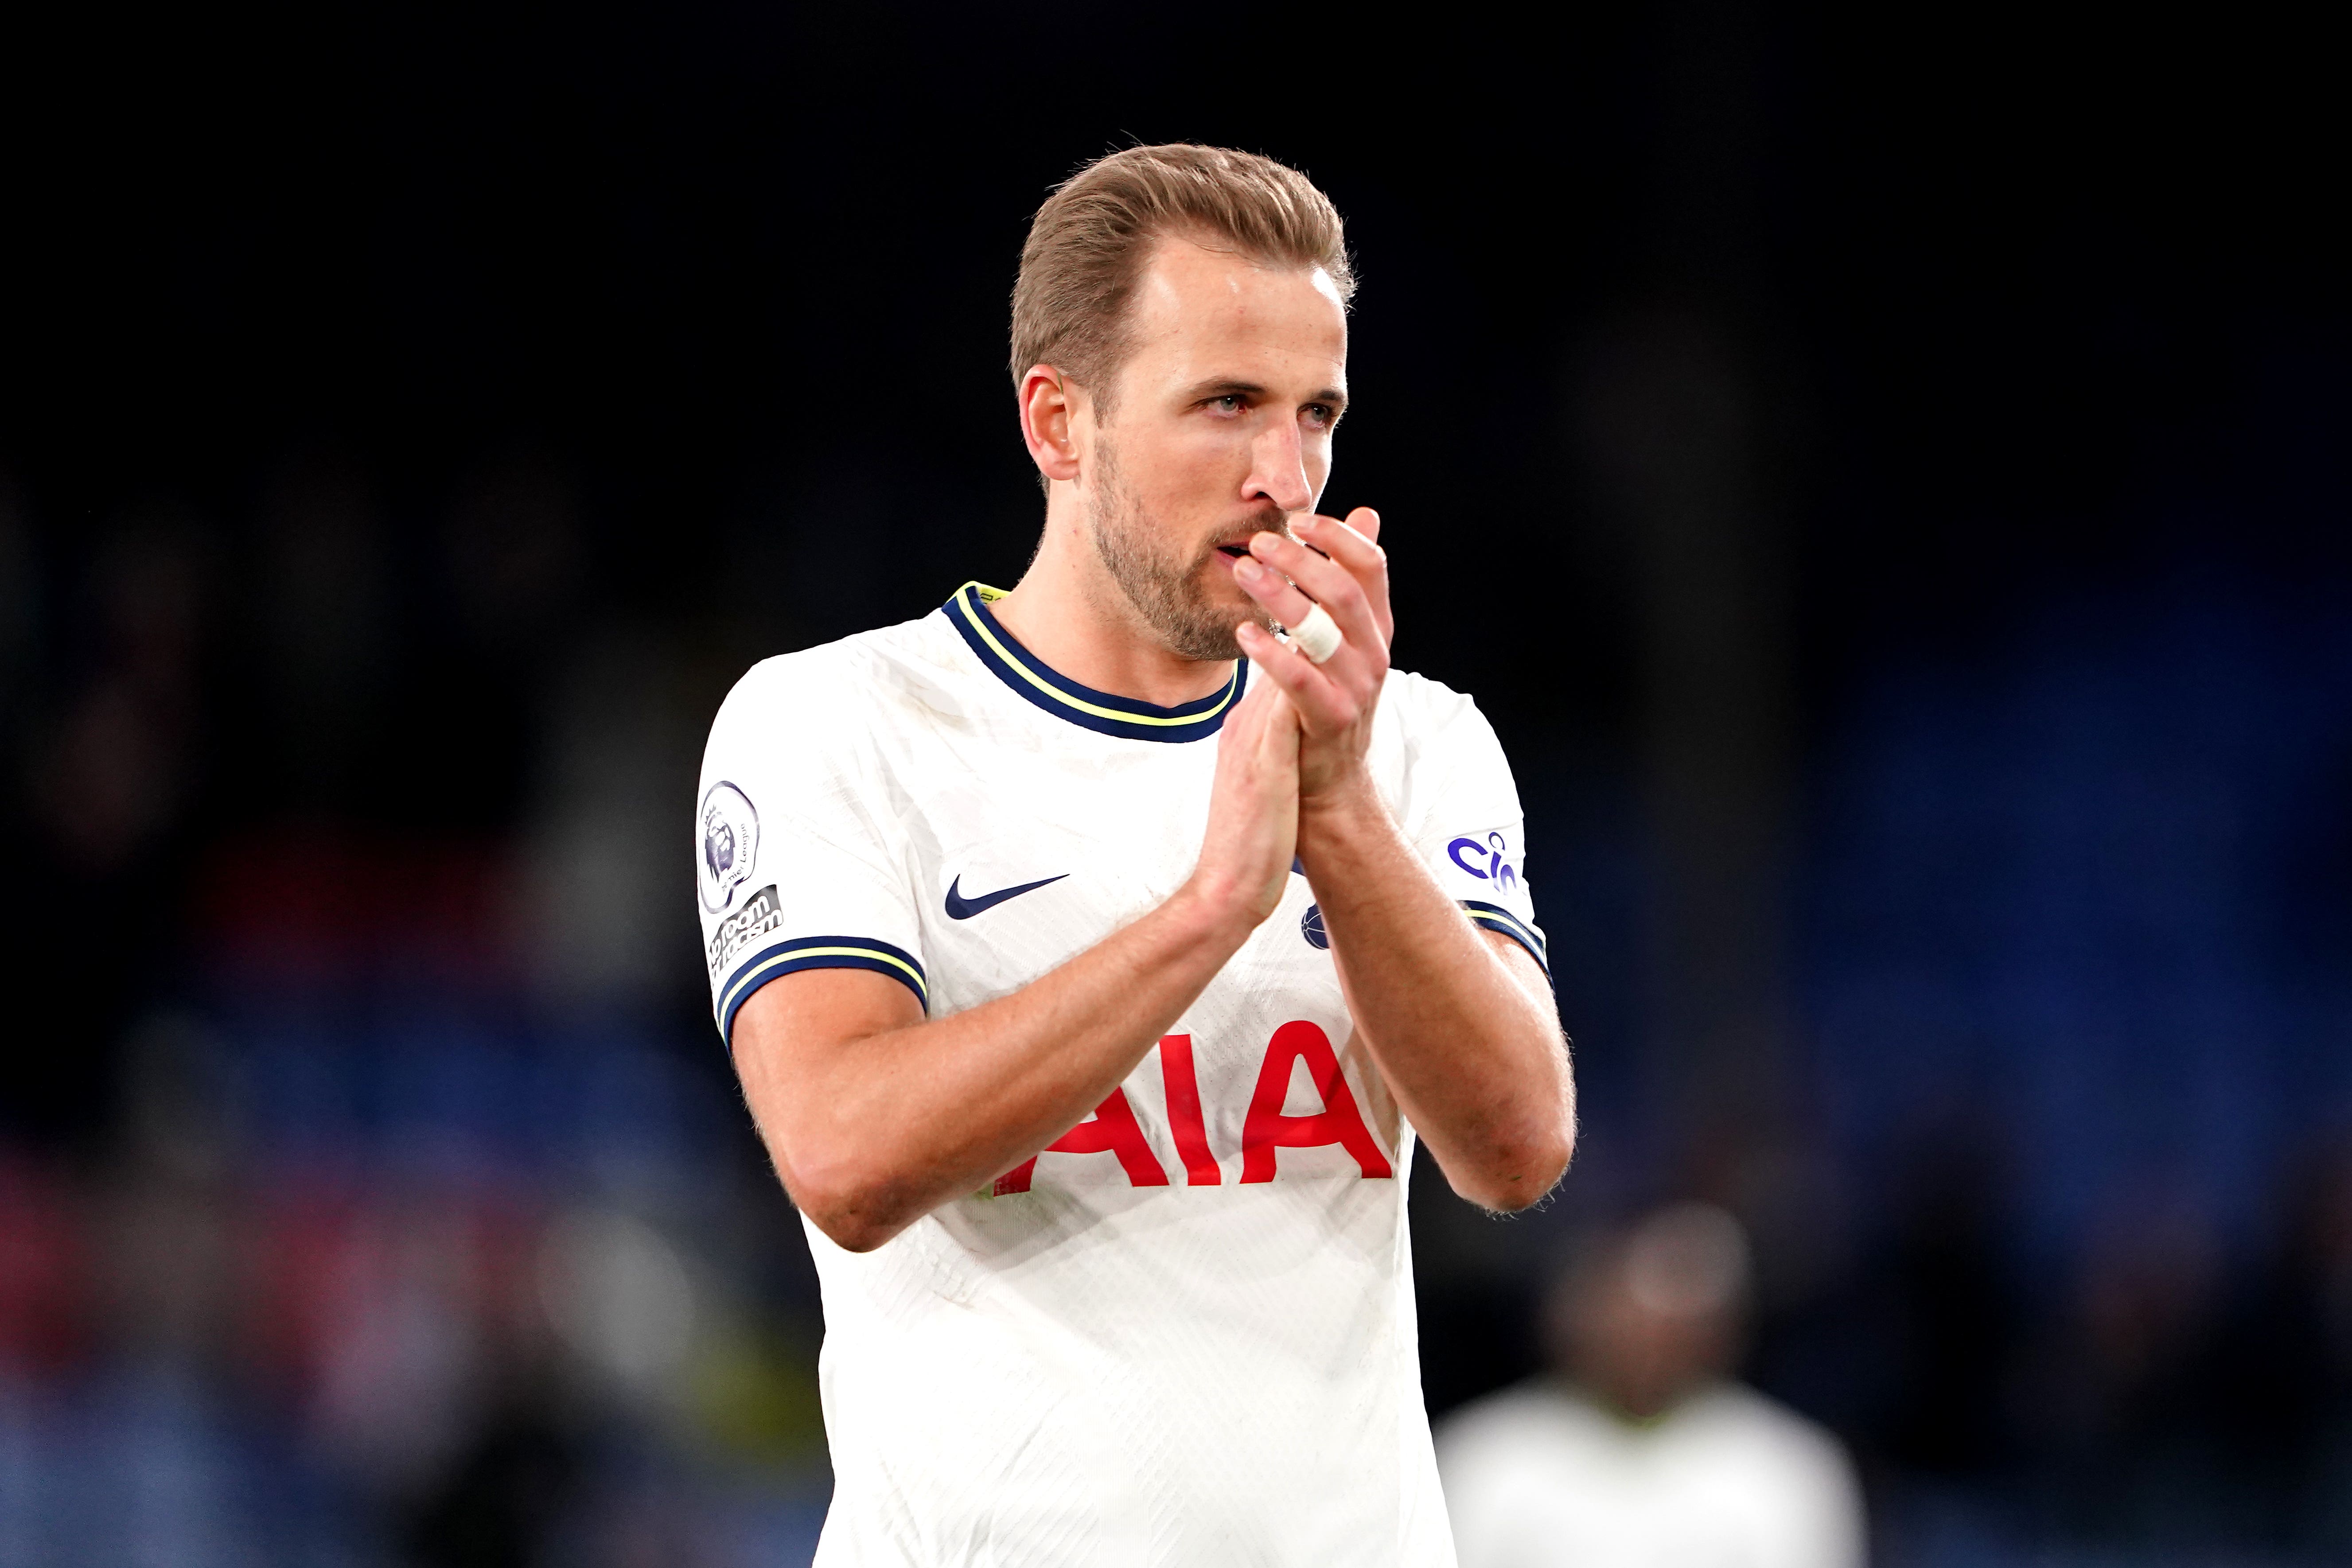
1317,637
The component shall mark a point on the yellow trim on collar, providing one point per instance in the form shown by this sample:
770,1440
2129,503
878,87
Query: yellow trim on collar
1021,664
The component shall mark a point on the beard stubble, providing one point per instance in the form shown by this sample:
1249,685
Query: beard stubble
1161,575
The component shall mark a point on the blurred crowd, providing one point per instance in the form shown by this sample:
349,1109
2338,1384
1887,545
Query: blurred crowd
2165,1395
372,1190
366,1195
2057,1235
225,1349
1899,537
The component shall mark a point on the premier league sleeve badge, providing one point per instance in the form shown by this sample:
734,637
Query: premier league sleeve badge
731,843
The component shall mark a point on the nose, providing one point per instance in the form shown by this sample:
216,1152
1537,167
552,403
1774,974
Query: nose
1278,468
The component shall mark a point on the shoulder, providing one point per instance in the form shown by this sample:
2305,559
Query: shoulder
1428,715
839,693
1420,704
1736,1415
1436,739
821,734
1789,1479
1529,1417
845,676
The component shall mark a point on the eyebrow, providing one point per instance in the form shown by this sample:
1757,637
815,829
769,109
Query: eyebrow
1330,395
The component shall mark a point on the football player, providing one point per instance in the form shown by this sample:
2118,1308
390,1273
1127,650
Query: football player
1093,954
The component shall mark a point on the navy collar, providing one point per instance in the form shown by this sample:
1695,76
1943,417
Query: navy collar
1057,694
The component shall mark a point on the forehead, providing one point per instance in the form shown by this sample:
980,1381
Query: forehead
1200,312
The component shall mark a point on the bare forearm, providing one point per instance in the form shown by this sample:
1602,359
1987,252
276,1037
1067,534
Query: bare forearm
879,1129
1473,1054
1471,1051
876,1117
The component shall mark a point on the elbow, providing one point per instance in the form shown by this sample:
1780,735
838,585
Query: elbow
1518,1174
849,1226
1523,1144
855,1208
853,1233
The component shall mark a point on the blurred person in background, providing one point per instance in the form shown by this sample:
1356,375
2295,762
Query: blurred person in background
1637,1447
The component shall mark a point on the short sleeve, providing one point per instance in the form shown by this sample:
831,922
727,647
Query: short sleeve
1462,813
794,869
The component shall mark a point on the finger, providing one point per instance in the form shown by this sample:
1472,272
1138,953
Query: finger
1322,706
1328,583
1354,666
1286,604
1360,553
1272,590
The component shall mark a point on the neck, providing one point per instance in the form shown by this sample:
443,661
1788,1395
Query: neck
1068,612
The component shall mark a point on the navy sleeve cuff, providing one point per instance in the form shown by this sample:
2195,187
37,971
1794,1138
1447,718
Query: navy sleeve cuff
816,952
1494,916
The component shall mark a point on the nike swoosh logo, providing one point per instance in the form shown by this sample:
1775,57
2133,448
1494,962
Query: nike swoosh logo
962,909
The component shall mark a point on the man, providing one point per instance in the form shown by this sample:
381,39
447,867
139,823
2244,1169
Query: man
1638,1448
1091,956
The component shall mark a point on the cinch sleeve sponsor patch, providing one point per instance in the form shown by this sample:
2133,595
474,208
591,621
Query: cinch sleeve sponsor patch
1482,867
1464,811
782,958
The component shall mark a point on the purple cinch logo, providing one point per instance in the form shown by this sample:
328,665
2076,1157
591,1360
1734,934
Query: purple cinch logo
1496,870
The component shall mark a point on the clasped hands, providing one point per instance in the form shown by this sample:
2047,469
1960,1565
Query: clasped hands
1340,566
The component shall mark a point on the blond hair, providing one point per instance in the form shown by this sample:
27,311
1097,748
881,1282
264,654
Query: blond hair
1088,243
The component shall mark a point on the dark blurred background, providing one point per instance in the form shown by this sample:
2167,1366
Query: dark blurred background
1884,475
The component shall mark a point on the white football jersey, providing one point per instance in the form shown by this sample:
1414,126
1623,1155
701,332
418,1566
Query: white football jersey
1184,1333
1538,1476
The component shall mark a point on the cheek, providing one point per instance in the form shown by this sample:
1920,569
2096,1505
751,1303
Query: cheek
1206,462
1315,448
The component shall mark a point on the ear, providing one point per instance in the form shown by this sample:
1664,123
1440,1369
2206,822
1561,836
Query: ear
1050,405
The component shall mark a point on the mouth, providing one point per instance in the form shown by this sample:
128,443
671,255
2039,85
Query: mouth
1237,547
